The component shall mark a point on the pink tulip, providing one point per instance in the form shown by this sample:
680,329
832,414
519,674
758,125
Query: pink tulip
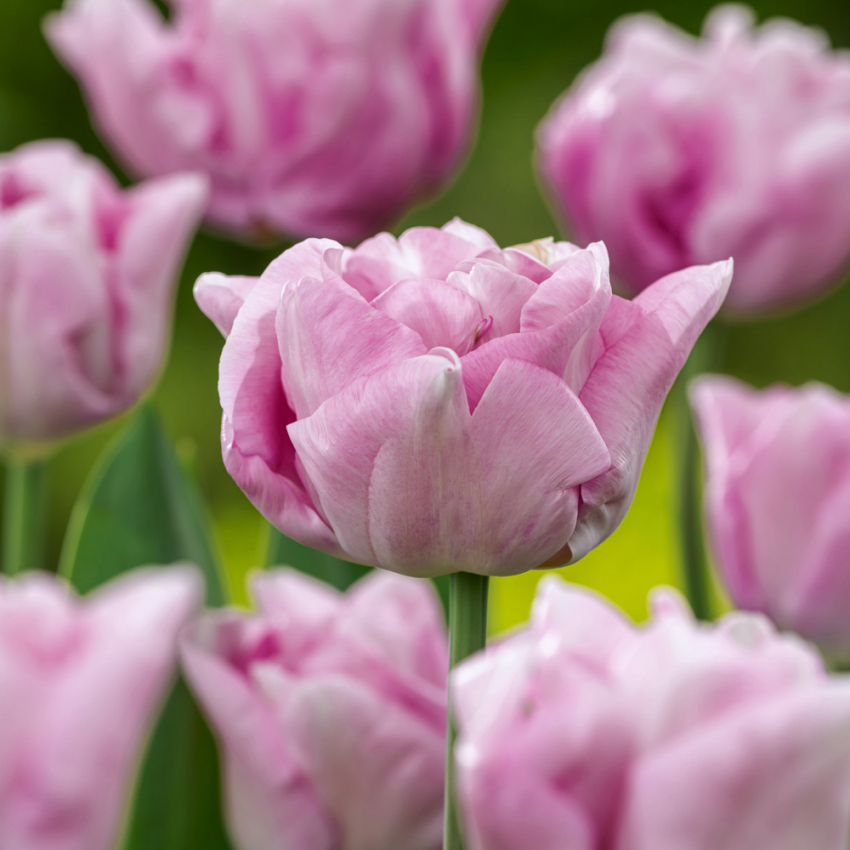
80,684
778,502
679,151
433,403
584,733
87,277
331,712
311,117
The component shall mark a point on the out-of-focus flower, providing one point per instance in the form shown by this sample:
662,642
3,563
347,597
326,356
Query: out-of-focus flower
311,117
434,403
331,713
778,502
80,682
584,732
87,276
678,151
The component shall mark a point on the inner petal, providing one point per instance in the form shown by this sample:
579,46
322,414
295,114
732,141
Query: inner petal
443,316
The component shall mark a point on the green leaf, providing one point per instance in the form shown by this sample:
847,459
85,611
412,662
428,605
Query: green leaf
141,508
284,551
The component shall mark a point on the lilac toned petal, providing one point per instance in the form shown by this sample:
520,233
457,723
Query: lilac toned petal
270,802
401,618
341,443
162,217
727,414
421,253
564,348
221,297
442,315
647,344
479,16
682,795
469,232
581,621
535,444
363,750
500,292
257,451
106,667
278,492
305,602
329,337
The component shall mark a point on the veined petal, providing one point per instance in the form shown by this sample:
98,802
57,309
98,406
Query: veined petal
221,297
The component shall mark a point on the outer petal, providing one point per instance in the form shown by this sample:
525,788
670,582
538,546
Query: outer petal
221,297
257,451
646,346
99,694
271,804
155,237
777,776
340,446
377,768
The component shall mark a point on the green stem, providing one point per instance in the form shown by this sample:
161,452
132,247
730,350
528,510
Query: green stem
24,516
705,357
467,634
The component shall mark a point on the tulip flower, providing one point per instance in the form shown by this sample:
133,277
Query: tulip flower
585,732
778,500
311,118
435,404
330,710
87,278
80,683
678,151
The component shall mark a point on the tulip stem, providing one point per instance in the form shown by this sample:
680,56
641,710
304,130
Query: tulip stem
706,356
467,634
24,515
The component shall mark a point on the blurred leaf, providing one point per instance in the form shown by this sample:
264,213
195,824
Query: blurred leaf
283,551
141,508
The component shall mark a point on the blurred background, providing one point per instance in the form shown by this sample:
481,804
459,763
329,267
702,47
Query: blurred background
537,48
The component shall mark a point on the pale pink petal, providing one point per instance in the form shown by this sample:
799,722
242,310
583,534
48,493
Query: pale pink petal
221,297
645,347
329,336
442,315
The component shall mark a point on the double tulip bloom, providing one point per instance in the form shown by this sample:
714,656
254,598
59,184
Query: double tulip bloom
80,682
312,117
331,713
87,276
584,732
678,151
435,404
778,501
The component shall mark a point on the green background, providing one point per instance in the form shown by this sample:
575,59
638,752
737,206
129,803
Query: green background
537,48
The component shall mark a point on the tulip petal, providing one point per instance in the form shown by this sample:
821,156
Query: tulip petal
329,337
270,801
442,315
564,348
363,750
163,215
784,763
647,343
257,450
341,442
221,297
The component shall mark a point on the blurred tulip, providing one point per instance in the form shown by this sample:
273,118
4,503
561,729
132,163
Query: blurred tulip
87,276
584,732
311,117
331,713
678,151
434,404
80,682
778,502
